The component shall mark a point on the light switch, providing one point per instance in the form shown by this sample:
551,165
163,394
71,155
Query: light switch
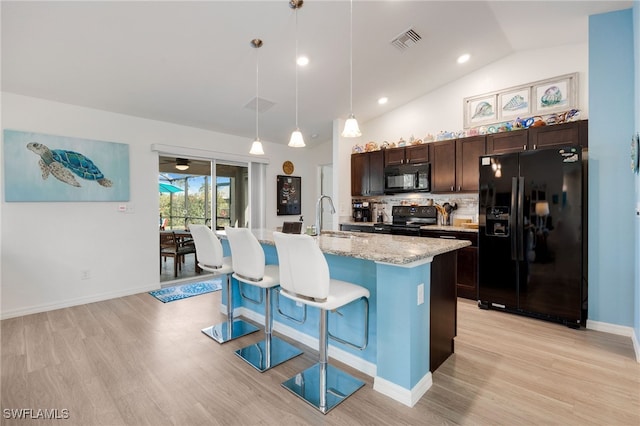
420,294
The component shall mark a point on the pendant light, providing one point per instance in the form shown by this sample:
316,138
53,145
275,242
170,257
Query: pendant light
256,146
351,129
296,140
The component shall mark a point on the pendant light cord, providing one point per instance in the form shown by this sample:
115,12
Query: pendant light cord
296,62
351,59
257,92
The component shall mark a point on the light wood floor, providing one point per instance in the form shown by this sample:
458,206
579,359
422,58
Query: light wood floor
135,360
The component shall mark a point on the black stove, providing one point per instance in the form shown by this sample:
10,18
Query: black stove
407,220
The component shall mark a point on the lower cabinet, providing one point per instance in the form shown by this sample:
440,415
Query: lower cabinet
467,266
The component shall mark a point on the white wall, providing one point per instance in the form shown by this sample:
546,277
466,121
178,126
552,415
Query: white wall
442,109
46,245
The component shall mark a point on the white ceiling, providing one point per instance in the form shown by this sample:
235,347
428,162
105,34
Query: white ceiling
191,63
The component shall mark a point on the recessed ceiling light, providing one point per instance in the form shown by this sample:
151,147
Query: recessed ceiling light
383,100
302,61
463,58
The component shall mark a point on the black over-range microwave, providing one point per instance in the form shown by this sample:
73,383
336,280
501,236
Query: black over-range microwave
407,178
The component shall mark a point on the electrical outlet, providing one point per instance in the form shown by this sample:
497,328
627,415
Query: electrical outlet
85,274
420,294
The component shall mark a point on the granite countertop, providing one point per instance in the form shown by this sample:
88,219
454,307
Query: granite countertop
425,227
385,248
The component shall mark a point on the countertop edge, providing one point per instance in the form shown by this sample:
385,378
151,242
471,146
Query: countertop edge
395,250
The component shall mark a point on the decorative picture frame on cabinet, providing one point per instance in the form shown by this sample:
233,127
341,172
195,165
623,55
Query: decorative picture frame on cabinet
480,110
288,195
537,98
514,103
555,94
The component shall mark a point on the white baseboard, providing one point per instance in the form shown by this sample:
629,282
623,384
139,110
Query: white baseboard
36,309
338,354
619,330
400,394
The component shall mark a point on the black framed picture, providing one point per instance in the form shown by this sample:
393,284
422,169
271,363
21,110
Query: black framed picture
288,194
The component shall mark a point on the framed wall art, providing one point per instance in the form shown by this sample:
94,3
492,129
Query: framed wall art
514,103
41,167
288,195
555,94
480,110
537,98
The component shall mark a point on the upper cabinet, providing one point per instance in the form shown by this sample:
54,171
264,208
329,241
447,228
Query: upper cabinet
414,154
574,133
454,164
468,153
367,173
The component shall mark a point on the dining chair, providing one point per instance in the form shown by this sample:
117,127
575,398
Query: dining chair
170,246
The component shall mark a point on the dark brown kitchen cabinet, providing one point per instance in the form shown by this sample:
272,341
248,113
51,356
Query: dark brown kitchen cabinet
504,143
443,166
566,134
414,154
468,153
454,164
575,133
367,173
467,265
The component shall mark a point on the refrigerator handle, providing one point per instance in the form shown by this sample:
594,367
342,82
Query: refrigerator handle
512,219
520,226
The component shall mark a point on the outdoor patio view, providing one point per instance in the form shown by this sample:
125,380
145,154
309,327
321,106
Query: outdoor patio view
186,198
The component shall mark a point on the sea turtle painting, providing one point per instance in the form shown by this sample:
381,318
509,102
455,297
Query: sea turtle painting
63,164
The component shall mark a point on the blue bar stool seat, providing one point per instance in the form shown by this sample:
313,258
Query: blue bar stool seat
304,278
210,258
249,268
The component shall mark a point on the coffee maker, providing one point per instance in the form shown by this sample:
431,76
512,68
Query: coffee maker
361,211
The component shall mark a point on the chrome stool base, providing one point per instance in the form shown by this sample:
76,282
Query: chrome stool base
339,386
257,354
222,332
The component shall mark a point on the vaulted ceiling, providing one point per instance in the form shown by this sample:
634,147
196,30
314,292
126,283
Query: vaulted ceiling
191,63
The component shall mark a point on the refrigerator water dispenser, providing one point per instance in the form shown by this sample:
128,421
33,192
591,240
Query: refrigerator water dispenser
497,221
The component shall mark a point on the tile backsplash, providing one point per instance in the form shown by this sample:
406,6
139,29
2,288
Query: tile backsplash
467,203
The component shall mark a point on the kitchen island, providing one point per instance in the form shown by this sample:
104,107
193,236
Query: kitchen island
412,312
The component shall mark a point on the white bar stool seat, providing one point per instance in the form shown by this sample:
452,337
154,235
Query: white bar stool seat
304,278
210,258
249,268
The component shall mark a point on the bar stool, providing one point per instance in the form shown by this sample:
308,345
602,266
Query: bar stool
249,268
210,258
304,278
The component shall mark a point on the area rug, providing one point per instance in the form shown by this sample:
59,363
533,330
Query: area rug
170,294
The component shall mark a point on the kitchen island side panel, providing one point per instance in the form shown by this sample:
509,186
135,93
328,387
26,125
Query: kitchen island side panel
403,324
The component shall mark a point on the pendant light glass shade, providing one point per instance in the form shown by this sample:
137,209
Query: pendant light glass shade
351,128
256,148
296,140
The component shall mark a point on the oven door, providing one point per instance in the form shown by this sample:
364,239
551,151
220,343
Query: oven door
410,230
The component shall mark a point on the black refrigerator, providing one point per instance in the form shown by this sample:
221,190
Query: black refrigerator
532,242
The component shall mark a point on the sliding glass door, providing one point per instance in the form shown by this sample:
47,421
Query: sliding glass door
232,195
186,196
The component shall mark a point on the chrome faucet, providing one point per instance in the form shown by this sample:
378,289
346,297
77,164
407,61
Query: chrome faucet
319,212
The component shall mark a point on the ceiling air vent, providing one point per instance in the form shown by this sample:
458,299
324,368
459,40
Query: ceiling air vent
406,39
263,105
